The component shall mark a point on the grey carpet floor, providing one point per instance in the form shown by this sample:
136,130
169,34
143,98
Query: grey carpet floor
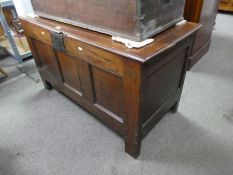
44,133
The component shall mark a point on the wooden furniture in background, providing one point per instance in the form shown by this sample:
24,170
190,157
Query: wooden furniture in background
128,89
3,74
226,5
203,12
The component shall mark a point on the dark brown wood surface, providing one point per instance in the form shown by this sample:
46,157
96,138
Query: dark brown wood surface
91,12
203,12
132,19
163,41
129,90
193,10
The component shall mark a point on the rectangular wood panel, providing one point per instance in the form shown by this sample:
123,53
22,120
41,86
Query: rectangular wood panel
108,91
160,84
94,55
70,72
39,33
45,56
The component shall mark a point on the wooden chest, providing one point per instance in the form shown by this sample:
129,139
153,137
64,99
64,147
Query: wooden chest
128,89
132,19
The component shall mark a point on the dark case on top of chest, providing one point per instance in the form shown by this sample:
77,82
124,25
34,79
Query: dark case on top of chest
132,19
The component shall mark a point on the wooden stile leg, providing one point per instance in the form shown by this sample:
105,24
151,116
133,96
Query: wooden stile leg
133,150
132,88
175,107
47,85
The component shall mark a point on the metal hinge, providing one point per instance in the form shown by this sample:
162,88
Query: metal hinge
58,41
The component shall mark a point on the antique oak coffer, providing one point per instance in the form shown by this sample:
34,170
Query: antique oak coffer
131,19
128,89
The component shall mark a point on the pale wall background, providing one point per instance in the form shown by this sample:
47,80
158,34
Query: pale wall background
23,7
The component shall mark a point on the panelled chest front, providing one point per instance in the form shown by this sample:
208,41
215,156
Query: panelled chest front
129,90
131,19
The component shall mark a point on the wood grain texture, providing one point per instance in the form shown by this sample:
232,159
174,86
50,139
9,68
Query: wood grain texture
135,20
193,10
165,40
69,68
91,12
86,81
226,5
46,58
91,54
128,94
108,91
132,102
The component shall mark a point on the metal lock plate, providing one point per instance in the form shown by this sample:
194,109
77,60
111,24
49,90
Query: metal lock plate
57,41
